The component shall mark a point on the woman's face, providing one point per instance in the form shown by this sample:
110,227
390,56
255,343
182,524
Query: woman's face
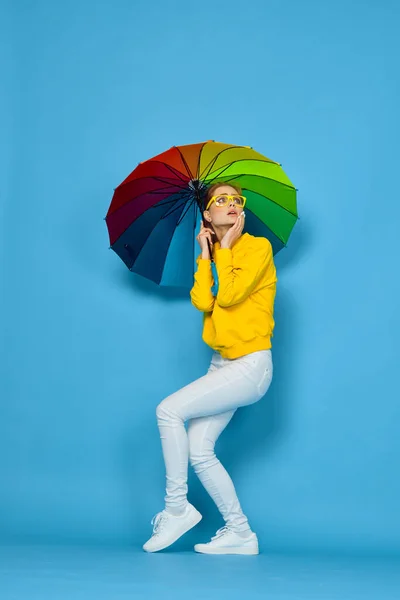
223,215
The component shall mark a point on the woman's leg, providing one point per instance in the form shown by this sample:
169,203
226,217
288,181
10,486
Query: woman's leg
228,385
203,432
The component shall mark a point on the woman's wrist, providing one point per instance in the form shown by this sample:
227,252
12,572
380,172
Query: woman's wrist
205,255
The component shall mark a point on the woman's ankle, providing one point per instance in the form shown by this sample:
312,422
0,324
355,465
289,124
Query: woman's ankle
176,511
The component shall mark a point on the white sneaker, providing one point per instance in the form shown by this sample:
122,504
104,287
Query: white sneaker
226,541
168,528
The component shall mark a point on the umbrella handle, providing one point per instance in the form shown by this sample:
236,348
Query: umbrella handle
210,251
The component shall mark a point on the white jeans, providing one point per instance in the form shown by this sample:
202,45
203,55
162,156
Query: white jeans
209,403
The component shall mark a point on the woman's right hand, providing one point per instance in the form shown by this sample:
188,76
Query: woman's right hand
204,235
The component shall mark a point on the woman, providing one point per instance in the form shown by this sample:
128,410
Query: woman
238,326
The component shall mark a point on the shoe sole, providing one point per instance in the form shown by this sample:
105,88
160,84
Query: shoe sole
196,519
231,550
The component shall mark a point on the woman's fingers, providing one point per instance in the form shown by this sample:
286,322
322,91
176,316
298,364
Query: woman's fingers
239,222
205,230
204,234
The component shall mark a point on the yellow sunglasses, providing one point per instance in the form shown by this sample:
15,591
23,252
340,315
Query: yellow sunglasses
223,199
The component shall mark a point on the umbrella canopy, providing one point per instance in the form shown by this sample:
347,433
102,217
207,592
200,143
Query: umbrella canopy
155,213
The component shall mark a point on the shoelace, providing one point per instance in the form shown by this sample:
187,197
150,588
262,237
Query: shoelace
158,521
222,531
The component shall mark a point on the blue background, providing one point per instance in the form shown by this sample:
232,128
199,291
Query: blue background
89,349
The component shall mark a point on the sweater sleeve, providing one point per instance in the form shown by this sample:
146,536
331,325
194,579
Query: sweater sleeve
200,294
237,282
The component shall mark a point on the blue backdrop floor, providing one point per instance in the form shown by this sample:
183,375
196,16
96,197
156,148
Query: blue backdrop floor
57,573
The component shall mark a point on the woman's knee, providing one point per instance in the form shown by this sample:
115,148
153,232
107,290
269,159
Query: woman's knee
166,412
201,453
162,411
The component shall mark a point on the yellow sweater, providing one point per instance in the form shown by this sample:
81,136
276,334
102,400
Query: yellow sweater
239,320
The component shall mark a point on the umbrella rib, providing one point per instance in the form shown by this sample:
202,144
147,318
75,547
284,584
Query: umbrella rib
186,211
170,169
157,204
263,195
214,160
148,208
166,254
180,219
273,202
198,165
185,163
143,245
271,230
253,175
167,214
154,177
164,203
220,173
181,194
155,192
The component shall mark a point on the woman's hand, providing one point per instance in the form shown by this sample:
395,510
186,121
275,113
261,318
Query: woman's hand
204,235
233,233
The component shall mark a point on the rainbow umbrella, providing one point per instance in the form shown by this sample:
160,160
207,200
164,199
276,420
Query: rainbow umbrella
155,213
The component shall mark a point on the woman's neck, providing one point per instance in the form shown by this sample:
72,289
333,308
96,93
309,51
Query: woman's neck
221,231
217,243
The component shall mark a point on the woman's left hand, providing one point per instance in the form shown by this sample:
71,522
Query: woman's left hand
233,233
